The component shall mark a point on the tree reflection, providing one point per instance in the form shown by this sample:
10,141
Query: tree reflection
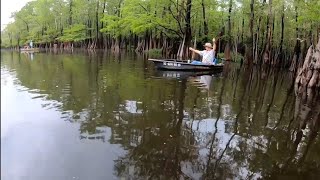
245,124
162,148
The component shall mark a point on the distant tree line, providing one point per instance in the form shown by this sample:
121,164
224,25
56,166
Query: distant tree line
274,32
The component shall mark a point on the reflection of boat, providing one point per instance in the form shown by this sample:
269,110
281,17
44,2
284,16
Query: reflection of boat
181,74
93,137
29,54
202,82
29,50
172,64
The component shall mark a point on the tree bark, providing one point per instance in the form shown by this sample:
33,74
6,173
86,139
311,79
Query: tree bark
183,50
227,51
256,43
242,30
267,50
249,48
251,18
309,74
205,25
70,13
282,34
97,21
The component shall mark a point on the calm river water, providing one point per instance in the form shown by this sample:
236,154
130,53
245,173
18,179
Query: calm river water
92,116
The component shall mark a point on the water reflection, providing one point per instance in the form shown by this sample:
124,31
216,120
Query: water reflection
203,82
243,123
182,74
28,55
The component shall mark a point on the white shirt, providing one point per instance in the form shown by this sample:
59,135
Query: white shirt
207,56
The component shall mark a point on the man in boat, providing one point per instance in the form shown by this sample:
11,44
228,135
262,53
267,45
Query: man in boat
207,55
31,44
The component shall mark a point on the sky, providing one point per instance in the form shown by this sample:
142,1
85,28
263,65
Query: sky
8,7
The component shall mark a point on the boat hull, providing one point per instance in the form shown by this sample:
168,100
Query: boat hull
30,50
170,64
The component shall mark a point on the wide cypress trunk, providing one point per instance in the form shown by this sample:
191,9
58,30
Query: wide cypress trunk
309,74
307,87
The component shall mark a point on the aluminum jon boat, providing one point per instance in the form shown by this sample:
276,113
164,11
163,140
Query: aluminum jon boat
29,50
173,64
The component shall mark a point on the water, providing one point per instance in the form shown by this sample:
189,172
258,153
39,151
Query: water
87,115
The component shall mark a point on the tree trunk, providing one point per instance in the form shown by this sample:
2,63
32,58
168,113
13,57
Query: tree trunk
205,25
97,21
249,48
103,9
18,41
116,47
251,21
10,37
188,26
227,51
296,55
267,50
281,38
256,43
70,13
297,47
183,50
242,30
309,74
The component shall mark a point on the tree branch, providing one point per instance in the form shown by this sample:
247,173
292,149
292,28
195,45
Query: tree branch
176,6
163,32
143,7
169,29
180,27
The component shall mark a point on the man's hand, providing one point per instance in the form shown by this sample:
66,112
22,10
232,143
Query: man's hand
194,50
213,40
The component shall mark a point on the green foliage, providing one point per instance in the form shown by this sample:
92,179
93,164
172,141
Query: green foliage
114,25
155,53
219,55
75,33
236,57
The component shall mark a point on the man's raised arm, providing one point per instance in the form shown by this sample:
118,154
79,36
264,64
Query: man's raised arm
214,44
194,50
